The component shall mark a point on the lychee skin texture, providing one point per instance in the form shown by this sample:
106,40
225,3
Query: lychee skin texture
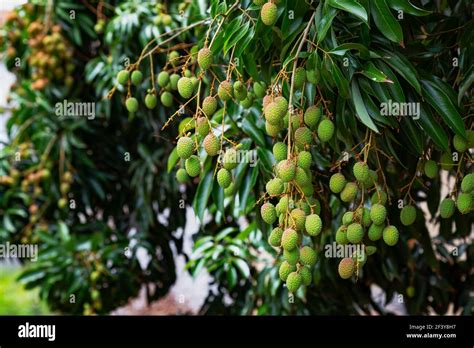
211,145
185,87
293,282
459,143
355,233
209,106
268,213
346,268
286,170
275,237
303,137
283,105
379,197
259,88
292,256
467,183
185,147
464,203
302,178
298,217
375,232
273,113
341,235
390,235
431,169
308,256
313,225
349,192
274,187
122,77
361,171
163,79
202,126
193,166
337,183
378,214
225,91
269,14
137,77
224,178
446,208
304,160
205,58
181,175
131,104
285,269
306,276
299,78
280,151
289,239
151,101
408,215
347,218
229,160
312,116
166,99
325,130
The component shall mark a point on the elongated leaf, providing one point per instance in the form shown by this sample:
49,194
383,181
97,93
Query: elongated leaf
360,107
342,49
407,7
341,81
433,128
440,101
374,74
202,195
325,24
253,132
404,68
386,22
350,6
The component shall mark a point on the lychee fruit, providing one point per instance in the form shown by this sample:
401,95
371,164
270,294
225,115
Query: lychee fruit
446,208
464,203
211,145
304,160
408,215
341,235
280,151
229,160
337,183
209,106
313,225
303,137
193,166
185,147
312,116
431,169
459,143
202,126
131,104
308,256
299,78
298,217
293,282
292,256
349,192
361,171
181,176
269,14
185,87
289,239
151,101
467,183
347,218
378,214
346,268
163,79
224,178
122,77
274,187
286,170
268,213
225,91
390,235
446,161
325,130
260,88
137,77
275,237
285,269
355,233
375,232
205,58
306,276
166,99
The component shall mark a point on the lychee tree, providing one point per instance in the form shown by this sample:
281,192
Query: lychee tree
299,127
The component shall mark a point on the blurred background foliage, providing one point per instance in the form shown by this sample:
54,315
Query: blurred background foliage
94,192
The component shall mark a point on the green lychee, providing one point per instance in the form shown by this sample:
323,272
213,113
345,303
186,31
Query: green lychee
298,218
289,239
446,161
349,192
193,166
347,218
378,214
299,78
459,143
224,178
181,176
305,275
269,14
202,126
211,145
260,88
205,58
464,203
304,160
225,91
390,235
341,235
431,169
447,208
285,269
361,171
375,232
303,137
337,183
131,104
308,256
275,237
408,215
163,79
467,183
137,77
151,101
355,233
122,77
274,187
280,151
185,87
313,225
268,213
293,282
209,106
286,170
325,130
312,116
167,99
229,160
185,147
292,256
346,268
379,197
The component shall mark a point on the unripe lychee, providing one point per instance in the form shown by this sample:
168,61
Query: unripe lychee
459,143
181,175
185,147
205,58
293,282
313,225
363,216
248,101
467,183
446,208
325,130
313,75
275,237
378,214
260,88
341,235
240,91
349,192
274,187
185,87
361,171
266,101
166,99
229,191
282,105
269,14
446,161
337,183
273,113
347,218
299,78
122,77
312,116
273,130
137,77
355,233
346,268
209,106
229,160
303,137
301,177
285,269
151,101
308,256
163,79
193,166
202,126
286,170
408,215
379,197
304,160
131,104
298,218
174,79
306,276
390,235
225,91
280,151
370,250
292,256
375,232
282,205
224,178
431,169
211,145
173,58
268,213
289,239
464,203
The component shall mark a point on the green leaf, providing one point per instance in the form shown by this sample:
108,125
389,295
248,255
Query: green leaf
433,128
386,22
407,7
242,266
445,107
202,195
360,107
404,68
341,82
253,132
350,6
342,49
172,159
369,70
325,23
